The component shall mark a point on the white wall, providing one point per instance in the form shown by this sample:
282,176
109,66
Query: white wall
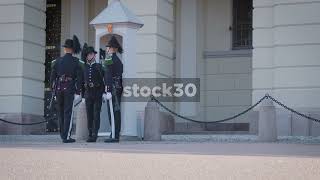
156,38
227,73
22,48
155,46
286,60
286,55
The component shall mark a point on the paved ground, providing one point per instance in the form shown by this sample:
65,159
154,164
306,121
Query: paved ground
161,160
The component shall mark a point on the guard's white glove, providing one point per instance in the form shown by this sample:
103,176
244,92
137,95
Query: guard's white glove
108,96
77,97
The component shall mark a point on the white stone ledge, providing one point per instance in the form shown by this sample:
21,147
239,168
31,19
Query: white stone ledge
225,90
297,56
29,3
157,34
244,106
10,104
227,54
262,57
165,10
148,6
296,88
150,24
41,5
22,40
19,95
294,2
262,78
32,105
171,2
25,23
286,67
165,47
297,14
12,13
150,44
262,37
158,16
287,45
296,77
298,97
297,35
157,53
34,70
166,29
262,3
154,75
34,35
34,17
21,59
271,3
263,17
33,88
21,77
286,25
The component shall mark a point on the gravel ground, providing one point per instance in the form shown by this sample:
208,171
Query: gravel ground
177,157
166,139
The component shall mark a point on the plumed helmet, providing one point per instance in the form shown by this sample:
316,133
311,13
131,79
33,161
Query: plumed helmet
73,44
113,42
87,50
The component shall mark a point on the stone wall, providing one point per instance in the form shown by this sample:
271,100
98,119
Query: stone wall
22,49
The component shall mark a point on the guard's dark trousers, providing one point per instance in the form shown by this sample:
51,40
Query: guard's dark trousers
93,106
64,106
117,113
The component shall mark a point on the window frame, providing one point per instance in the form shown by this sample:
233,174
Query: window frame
235,25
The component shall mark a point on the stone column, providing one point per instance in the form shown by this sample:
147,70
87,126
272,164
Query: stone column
188,52
129,126
22,49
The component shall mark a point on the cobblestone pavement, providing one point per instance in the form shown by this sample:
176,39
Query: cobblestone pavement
178,157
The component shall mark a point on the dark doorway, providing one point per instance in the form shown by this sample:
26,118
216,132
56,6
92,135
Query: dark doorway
53,48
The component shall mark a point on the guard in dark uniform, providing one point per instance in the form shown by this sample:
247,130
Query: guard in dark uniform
66,80
94,89
113,79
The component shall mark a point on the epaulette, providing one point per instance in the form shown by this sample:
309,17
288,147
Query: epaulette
53,63
81,63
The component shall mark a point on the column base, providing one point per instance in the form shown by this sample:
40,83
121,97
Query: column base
11,129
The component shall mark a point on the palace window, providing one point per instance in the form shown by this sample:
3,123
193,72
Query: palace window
242,24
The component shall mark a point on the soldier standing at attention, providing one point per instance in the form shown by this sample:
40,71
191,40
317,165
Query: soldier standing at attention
94,89
114,88
66,80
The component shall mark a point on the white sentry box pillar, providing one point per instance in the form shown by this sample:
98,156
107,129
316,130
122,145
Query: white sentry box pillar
118,20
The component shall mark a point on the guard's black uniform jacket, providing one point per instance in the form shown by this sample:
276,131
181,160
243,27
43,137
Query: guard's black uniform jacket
94,89
66,76
113,80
